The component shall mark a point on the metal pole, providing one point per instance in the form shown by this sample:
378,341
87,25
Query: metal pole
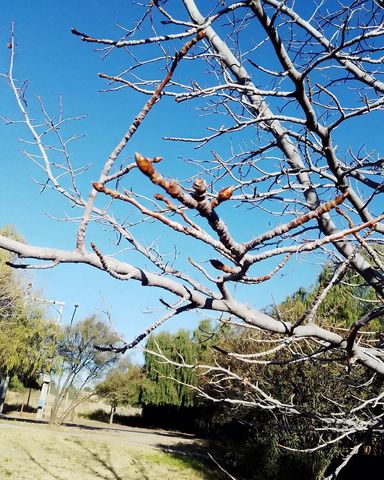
46,377
76,306
3,391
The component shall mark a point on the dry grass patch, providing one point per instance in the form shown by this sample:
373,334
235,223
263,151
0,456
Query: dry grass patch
45,453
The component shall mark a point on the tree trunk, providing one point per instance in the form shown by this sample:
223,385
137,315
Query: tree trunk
112,414
29,398
55,409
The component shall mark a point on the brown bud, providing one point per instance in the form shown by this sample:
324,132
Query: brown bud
144,165
200,186
220,266
158,196
217,264
98,186
173,188
157,159
225,194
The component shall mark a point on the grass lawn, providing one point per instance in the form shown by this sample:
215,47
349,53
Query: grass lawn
44,453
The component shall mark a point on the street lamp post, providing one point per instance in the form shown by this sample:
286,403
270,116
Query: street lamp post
75,307
47,377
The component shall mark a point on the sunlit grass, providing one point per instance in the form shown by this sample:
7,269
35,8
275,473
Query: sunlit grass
44,453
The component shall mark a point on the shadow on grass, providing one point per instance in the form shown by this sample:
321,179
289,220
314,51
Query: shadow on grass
191,457
196,456
96,462
16,408
104,462
134,421
38,463
114,427
186,420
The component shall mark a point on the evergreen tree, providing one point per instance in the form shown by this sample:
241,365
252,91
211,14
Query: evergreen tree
347,300
314,391
27,340
166,383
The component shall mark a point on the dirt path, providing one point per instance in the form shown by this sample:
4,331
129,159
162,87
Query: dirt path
121,435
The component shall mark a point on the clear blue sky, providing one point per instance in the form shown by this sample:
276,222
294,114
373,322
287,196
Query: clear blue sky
55,62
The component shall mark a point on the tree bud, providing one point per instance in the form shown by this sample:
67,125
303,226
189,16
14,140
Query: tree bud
144,165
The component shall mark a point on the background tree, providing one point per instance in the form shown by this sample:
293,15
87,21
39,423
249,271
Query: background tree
285,87
122,386
168,384
28,340
339,298
168,392
256,434
81,363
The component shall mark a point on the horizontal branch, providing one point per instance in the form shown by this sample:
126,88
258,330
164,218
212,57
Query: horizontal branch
243,312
